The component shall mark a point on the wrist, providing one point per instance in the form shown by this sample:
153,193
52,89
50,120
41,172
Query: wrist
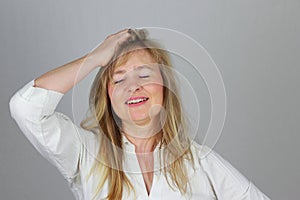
90,61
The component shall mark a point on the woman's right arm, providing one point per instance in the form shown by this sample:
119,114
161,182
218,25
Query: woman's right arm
52,133
64,78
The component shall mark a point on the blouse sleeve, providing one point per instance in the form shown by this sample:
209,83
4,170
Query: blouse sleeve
226,181
52,133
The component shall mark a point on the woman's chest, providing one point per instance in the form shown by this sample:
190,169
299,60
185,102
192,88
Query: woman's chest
160,188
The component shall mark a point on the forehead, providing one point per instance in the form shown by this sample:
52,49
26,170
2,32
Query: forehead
133,60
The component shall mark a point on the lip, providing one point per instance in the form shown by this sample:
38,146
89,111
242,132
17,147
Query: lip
136,104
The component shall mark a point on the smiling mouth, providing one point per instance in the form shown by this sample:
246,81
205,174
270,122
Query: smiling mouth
136,101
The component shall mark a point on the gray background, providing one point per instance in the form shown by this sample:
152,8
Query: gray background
254,43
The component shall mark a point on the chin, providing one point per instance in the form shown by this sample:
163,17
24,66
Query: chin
141,120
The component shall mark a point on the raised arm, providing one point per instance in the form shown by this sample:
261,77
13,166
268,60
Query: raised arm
63,78
52,133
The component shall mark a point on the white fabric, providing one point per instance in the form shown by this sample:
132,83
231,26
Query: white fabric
72,150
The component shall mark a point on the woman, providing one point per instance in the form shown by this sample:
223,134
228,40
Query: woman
134,143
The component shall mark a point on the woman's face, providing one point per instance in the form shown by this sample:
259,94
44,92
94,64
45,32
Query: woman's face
136,89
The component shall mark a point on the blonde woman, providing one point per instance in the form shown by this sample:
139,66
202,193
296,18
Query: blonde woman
134,143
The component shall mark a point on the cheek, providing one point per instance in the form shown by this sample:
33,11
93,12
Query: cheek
110,91
160,88
157,91
116,97
112,95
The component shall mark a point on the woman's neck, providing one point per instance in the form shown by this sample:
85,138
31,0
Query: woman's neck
145,138
143,145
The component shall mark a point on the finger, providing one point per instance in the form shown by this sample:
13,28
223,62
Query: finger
123,31
138,34
127,34
117,33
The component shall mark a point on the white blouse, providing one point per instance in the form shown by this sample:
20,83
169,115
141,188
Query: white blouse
72,150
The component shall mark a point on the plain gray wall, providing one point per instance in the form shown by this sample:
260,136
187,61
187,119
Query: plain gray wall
254,43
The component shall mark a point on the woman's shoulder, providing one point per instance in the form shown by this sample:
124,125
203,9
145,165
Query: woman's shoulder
210,160
225,179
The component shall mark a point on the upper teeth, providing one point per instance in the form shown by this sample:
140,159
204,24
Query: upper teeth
136,100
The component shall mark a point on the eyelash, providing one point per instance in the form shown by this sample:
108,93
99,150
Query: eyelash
146,76
119,81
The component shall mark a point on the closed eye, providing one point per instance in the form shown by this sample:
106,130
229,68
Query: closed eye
145,76
118,81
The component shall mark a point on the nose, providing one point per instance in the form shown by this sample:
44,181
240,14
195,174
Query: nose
133,85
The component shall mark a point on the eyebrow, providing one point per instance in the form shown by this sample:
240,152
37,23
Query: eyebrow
119,72
136,69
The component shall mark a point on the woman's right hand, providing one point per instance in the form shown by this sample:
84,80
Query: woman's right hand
102,54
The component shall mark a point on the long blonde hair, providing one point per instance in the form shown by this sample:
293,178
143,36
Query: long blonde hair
104,122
